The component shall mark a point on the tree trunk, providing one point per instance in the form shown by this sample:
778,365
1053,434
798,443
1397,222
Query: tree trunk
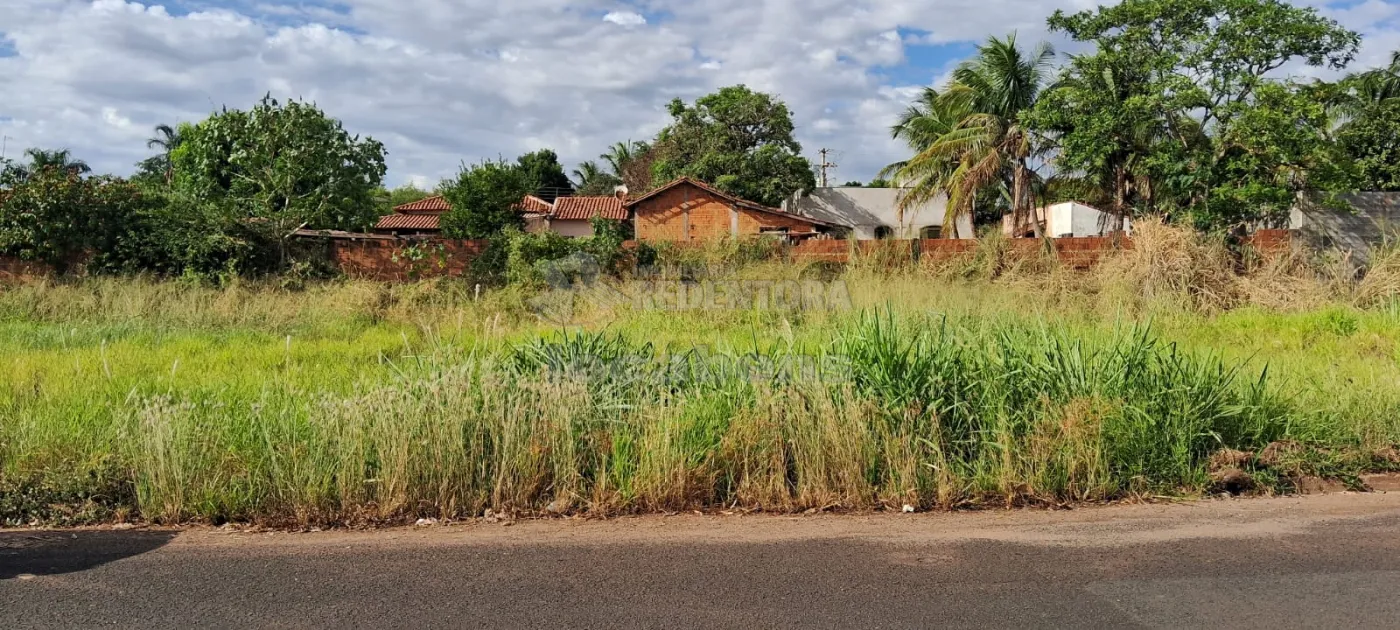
1020,197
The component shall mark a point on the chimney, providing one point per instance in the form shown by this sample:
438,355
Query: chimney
621,192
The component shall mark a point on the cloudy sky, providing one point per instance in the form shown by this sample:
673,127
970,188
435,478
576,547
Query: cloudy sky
443,81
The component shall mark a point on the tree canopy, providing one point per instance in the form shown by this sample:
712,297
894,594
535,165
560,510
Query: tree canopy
1177,111
739,140
546,175
1372,140
484,197
287,163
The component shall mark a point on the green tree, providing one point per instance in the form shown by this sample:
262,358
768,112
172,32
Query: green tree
1194,80
1375,86
288,164
592,180
739,140
546,175
52,159
483,198
1104,133
970,138
158,167
1372,140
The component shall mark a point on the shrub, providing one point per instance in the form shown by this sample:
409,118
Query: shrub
53,215
483,198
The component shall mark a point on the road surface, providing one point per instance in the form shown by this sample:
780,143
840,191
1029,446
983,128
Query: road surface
1319,561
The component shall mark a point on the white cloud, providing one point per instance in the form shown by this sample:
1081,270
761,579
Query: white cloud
625,18
446,81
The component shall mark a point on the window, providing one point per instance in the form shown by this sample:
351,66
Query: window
884,232
930,232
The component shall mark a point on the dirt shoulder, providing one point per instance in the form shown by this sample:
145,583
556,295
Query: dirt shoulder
1095,526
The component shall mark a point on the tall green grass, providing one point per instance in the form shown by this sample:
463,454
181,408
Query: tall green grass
180,404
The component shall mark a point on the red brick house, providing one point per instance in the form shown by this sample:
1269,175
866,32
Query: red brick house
691,210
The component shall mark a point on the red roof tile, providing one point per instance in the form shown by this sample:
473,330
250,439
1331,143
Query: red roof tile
574,208
432,204
534,205
407,222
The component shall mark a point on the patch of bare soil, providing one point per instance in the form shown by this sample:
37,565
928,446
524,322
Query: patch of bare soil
1101,526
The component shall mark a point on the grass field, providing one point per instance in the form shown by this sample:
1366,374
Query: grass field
353,402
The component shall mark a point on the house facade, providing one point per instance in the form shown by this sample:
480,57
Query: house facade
1070,219
873,213
690,210
573,216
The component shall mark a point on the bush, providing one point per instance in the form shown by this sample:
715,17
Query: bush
483,198
175,235
53,216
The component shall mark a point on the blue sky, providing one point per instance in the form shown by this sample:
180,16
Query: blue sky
446,81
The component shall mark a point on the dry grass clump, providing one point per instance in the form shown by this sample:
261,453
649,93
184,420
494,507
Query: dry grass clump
1380,283
1169,262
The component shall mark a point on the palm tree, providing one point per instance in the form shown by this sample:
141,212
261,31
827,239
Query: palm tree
60,159
621,154
167,139
987,146
926,121
1378,85
590,179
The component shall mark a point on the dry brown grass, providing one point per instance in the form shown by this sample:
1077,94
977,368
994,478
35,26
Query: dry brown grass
1174,263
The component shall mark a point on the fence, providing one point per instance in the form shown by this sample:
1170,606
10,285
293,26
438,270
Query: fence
392,259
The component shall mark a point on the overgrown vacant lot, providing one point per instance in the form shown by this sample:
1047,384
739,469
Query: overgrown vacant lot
350,402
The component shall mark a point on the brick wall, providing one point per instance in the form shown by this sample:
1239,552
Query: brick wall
754,222
1271,241
1076,252
14,270
400,260
680,214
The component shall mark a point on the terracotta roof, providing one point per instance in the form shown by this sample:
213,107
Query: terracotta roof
571,208
432,204
727,197
408,222
534,205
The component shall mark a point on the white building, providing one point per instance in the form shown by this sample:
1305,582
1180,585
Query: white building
1069,219
871,213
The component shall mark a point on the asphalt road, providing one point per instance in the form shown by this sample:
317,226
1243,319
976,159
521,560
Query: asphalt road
1325,561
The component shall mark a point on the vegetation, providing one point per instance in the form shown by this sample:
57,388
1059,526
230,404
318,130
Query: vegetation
483,199
739,140
970,138
1176,112
197,373
289,165
947,384
49,213
1372,140
545,174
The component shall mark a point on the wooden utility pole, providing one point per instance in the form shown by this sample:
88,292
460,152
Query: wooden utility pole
824,166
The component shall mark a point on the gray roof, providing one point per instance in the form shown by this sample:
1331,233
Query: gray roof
864,207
